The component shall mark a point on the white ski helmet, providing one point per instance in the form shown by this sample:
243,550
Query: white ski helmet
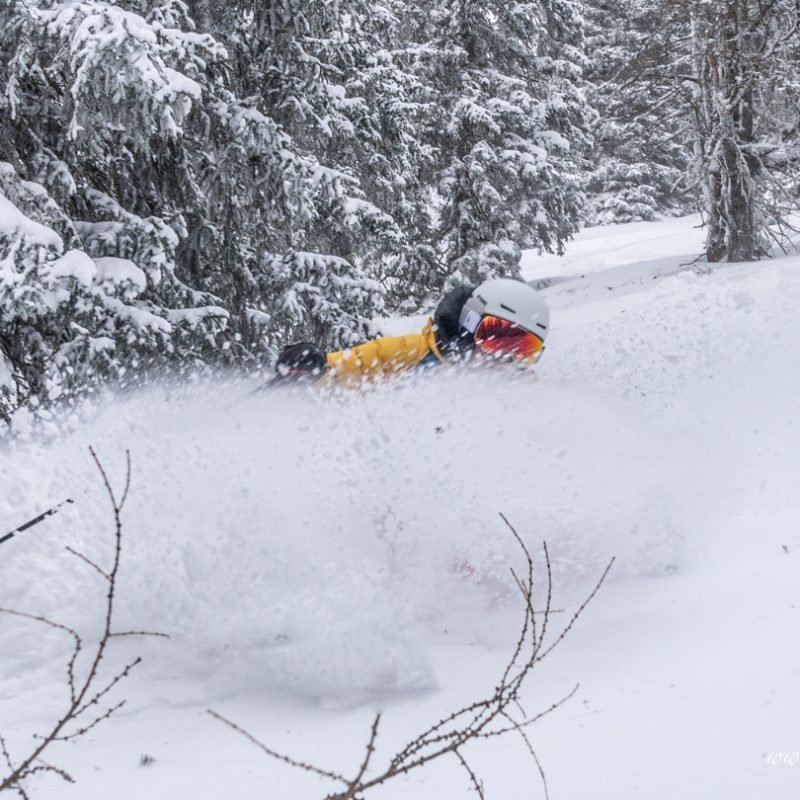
511,300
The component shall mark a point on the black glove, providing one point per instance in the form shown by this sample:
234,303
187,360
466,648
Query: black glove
451,339
301,361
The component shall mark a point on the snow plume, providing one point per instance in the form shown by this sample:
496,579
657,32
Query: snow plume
317,542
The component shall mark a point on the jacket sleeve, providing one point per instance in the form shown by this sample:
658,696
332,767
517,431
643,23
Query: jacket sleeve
384,356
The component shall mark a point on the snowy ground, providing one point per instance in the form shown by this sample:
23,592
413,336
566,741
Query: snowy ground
306,554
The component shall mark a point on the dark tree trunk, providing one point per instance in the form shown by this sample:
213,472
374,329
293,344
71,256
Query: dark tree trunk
726,82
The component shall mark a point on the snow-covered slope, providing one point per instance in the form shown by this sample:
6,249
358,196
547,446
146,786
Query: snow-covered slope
316,558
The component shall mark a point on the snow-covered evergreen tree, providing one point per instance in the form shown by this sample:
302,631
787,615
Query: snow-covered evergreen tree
317,258
158,206
640,163
510,132
89,288
191,182
391,147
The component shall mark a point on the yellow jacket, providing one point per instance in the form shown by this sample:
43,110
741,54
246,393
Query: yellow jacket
384,356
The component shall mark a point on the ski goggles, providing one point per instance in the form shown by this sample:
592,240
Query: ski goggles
500,338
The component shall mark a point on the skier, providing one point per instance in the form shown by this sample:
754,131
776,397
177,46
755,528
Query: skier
502,319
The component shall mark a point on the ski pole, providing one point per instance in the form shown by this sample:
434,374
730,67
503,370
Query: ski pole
36,520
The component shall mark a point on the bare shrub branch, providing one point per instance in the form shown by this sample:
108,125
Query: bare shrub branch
87,691
292,762
474,780
499,713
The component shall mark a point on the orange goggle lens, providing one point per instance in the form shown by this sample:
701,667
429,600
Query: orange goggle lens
500,338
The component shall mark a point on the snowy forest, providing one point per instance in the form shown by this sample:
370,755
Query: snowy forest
462,562
189,185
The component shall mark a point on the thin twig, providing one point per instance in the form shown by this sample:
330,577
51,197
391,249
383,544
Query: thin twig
472,776
580,610
373,735
278,756
88,561
524,736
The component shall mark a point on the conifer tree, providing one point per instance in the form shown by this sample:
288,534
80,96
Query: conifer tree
91,93
640,162
323,255
159,207
510,134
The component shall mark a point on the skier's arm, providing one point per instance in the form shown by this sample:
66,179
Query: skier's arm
383,356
